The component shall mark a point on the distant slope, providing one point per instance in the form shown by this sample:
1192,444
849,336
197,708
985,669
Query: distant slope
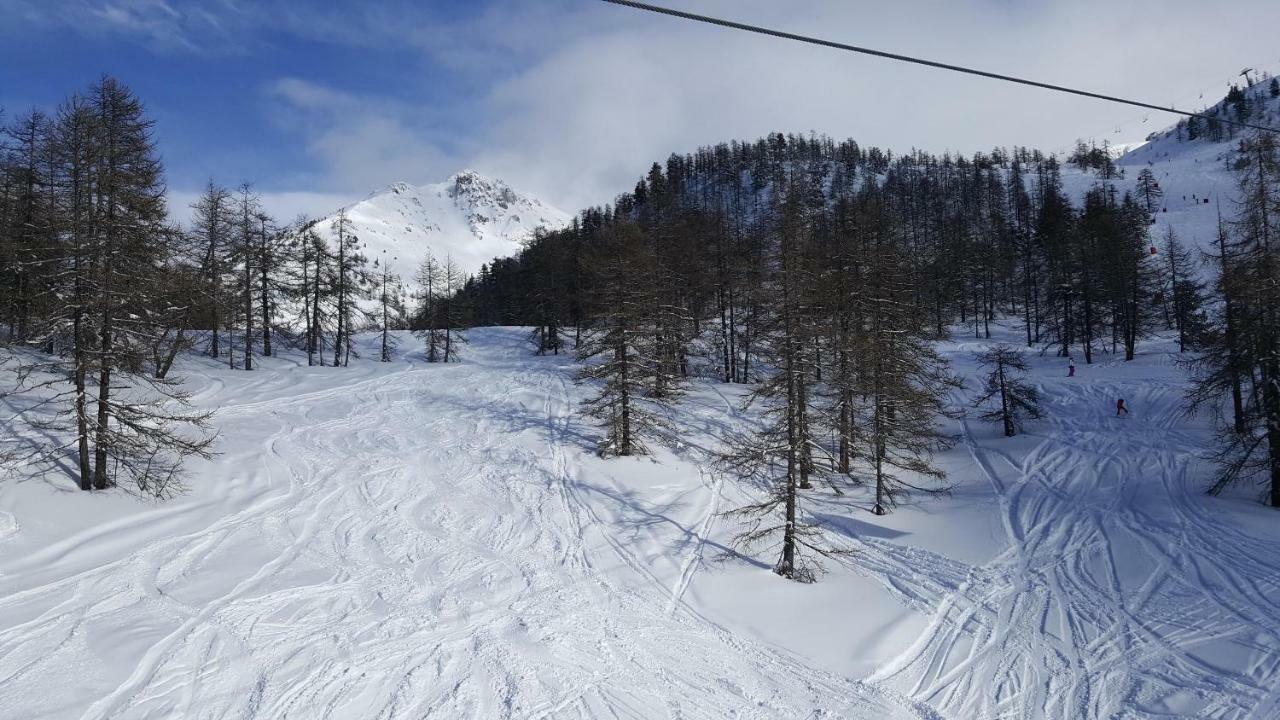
1191,170
469,217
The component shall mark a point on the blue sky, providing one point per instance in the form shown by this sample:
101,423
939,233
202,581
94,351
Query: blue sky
318,104
236,88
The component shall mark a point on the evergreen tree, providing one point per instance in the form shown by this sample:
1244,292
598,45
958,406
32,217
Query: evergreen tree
350,284
1005,382
1149,191
617,347
1243,352
391,312
109,303
1183,292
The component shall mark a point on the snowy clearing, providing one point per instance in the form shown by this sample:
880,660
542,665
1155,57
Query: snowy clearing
413,540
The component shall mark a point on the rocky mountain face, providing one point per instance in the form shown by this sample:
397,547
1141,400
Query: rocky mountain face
468,217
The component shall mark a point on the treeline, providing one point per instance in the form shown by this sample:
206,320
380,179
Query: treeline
100,292
982,235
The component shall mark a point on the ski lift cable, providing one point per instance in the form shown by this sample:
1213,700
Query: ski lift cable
1192,98
760,30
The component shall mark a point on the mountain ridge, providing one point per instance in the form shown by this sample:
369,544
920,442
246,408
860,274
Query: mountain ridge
468,217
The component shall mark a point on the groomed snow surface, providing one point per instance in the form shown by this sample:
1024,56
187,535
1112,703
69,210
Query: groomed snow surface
408,540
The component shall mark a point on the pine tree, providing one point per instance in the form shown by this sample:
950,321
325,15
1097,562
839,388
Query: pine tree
109,304
778,457
351,280
1243,352
27,242
1149,190
431,293
617,347
1184,301
390,294
1193,127
1004,381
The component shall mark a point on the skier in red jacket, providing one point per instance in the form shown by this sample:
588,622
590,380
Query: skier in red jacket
1120,408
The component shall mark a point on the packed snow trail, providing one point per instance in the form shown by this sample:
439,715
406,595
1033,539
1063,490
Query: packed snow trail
1124,591
412,540
408,543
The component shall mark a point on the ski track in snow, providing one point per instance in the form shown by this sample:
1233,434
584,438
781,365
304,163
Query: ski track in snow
428,541
1122,593
422,548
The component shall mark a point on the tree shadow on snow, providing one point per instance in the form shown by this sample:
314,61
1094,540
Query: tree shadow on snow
855,528
658,514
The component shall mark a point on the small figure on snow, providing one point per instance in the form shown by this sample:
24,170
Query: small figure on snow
1071,368
1120,408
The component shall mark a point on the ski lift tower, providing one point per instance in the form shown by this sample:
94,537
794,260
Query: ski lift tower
1247,82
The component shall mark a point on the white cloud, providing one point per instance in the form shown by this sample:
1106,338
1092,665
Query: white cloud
359,142
572,100
585,120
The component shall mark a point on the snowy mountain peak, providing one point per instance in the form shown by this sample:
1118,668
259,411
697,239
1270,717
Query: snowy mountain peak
468,217
479,192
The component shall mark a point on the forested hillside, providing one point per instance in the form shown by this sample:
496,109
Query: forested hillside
821,271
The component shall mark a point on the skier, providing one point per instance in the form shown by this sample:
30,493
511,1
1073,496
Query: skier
1071,368
1120,408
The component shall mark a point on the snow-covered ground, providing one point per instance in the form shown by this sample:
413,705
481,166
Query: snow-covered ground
408,540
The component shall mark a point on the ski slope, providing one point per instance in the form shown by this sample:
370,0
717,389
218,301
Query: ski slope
407,540
1122,591
395,541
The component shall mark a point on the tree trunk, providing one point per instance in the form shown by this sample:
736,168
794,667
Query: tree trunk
101,480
